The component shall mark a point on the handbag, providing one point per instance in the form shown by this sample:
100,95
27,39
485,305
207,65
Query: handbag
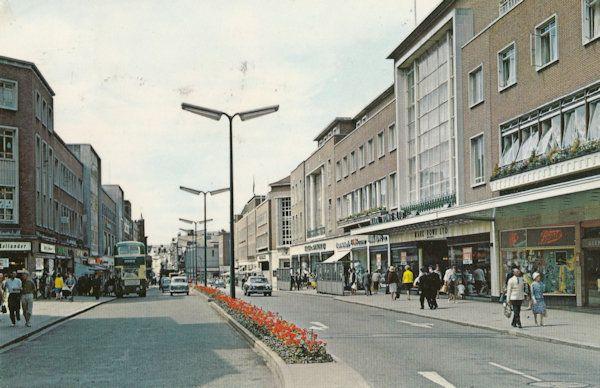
507,310
3,308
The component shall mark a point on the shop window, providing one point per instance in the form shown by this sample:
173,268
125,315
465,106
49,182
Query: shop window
477,158
6,143
591,20
574,126
8,94
551,138
545,43
507,67
594,121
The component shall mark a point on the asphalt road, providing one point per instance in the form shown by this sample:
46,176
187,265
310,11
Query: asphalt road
391,349
159,340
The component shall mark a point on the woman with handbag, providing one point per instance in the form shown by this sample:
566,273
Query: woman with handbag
537,298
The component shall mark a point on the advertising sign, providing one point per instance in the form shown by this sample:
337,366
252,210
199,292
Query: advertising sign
39,263
47,248
467,255
15,246
403,258
513,239
551,237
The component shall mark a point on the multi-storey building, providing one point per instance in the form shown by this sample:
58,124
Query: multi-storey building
128,234
92,184
109,223
245,235
115,192
41,181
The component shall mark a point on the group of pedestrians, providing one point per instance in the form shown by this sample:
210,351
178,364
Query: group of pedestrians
16,293
301,279
516,291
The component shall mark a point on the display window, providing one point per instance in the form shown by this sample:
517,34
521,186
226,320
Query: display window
474,265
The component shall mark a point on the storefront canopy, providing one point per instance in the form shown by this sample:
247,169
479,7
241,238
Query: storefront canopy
337,257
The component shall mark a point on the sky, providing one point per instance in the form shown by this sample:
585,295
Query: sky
121,69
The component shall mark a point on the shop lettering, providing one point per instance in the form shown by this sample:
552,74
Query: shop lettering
15,246
315,247
376,238
351,243
432,233
550,236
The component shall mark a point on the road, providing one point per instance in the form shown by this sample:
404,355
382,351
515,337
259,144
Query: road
391,349
154,341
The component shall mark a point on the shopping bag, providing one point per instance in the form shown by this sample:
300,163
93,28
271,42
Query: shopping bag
507,310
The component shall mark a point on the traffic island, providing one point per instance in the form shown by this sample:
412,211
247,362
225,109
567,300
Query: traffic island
295,355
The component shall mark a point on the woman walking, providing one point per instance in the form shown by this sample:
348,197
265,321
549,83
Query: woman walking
392,281
407,280
352,281
537,298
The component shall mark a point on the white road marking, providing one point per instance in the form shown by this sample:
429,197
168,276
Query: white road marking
423,325
515,372
318,326
436,378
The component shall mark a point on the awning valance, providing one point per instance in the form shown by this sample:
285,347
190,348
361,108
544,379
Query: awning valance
337,257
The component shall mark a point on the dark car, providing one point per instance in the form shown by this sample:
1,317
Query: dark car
257,285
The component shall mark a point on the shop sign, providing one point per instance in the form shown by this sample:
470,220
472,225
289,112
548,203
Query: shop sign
47,248
513,239
15,246
4,262
10,232
551,237
375,239
62,251
355,242
467,255
439,232
590,242
315,247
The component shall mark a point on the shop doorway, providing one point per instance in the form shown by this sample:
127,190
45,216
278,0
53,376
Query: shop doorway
434,251
592,277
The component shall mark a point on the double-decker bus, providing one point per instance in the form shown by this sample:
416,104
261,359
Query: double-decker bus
130,269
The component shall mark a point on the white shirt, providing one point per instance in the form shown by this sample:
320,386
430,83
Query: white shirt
448,274
515,288
13,285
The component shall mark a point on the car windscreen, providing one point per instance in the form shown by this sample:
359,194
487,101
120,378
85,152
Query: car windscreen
258,280
179,280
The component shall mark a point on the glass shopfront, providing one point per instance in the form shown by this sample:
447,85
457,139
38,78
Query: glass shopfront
403,255
379,258
591,266
549,251
471,256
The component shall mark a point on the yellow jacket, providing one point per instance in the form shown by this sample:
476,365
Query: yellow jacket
58,282
407,276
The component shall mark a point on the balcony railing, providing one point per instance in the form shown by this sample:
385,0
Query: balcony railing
416,209
364,216
320,231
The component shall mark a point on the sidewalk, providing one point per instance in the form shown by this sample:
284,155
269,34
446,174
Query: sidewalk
566,327
45,313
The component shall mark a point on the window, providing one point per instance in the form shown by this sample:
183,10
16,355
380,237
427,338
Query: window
8,94
345,166
50,119
44,113
380,145
382,192
545,43
591,20
370,151
530,138
594,121
551,136
352,162
574,126
361,156
507,66
338,171
477,170
38,106
476,86
338,208
392,140
510,148
507,5
7,196
393,191
6,143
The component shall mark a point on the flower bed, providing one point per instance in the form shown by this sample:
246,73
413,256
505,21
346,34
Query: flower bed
293,344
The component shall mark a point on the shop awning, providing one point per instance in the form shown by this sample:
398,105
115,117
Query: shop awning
337,257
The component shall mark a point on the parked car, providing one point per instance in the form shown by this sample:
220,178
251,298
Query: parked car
257,285
179,285
164,285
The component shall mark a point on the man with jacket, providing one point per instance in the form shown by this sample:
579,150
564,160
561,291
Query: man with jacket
13,288
366,281
28,291
515,294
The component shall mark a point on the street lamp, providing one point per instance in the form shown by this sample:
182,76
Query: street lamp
196,245
203,192
216,115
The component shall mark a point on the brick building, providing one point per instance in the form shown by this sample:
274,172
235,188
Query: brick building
41,180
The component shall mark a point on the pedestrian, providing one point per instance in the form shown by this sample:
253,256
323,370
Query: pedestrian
392,281
298,280
58,286
292,279
408,279
438,272
352,281
2,303
36,281
97,286
42,286
13,288
375,281
366,281
432,286
515,293
70,285
421,283
537,297
28,290
479,276
450,283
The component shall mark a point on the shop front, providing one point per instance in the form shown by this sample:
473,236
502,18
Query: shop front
590,245
14,255
549,250
471,254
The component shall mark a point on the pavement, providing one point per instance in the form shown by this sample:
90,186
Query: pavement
157,341
45,313
391,348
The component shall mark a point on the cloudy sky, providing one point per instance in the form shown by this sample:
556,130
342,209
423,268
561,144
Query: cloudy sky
121,70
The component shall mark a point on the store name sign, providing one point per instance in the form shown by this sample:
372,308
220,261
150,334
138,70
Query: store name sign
315,247
355,242
47,248
378,239
590,243
440,232
15,246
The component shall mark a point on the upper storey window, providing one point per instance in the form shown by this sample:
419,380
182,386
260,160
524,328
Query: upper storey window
507,5
507,66
8,94
591,20
545,43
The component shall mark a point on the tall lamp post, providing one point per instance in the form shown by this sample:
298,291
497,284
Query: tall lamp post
196,245
216,115
203,192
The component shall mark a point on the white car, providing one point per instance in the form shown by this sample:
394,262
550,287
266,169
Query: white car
179,285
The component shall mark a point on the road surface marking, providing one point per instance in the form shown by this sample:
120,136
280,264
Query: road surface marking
515,372
423,325
318,326
436,378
